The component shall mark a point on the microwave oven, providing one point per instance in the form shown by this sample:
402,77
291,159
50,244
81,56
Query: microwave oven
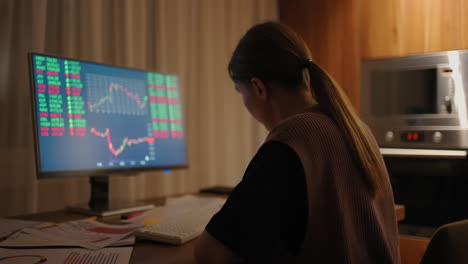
417,105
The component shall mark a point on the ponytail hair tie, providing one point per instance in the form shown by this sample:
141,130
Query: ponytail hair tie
306,63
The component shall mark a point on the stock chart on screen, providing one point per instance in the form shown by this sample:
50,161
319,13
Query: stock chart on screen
93,116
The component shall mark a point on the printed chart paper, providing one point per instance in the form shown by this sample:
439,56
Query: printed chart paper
116,255
86,233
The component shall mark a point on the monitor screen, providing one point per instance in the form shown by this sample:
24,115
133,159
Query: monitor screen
93,119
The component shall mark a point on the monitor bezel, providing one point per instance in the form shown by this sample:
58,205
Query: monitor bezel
40,174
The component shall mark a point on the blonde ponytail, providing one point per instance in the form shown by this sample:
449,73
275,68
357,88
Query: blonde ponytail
335,102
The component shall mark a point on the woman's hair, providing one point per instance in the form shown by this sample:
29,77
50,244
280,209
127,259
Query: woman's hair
275,54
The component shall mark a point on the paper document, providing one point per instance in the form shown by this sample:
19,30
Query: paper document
22,239
8,226
86,233
116,255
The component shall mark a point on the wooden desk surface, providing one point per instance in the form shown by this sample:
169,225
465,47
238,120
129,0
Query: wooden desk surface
146,251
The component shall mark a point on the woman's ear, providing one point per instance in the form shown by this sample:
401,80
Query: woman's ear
259,88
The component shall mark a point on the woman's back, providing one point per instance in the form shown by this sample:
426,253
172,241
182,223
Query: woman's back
345,224
349,216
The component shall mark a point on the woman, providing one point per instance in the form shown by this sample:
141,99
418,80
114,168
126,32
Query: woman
317,191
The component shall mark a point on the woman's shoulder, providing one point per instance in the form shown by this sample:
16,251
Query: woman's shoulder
311,122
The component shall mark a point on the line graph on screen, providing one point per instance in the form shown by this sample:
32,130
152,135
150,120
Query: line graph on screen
116,95
126,142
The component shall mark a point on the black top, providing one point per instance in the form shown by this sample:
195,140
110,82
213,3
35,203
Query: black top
267,210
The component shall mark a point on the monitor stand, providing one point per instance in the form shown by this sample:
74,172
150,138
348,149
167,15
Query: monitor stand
100,205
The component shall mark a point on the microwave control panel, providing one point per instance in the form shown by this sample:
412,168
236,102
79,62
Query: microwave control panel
415,136
412,136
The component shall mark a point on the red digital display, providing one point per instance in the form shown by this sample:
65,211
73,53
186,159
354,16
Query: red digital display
411,136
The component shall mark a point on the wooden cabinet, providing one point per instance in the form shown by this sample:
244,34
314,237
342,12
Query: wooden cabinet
412,249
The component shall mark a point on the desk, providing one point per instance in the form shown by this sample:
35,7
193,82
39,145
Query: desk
148,251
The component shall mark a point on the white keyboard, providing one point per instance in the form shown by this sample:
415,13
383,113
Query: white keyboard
181,228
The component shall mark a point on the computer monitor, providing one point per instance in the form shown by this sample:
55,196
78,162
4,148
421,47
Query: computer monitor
94,120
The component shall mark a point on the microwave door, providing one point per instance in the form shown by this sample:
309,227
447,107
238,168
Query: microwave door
404,92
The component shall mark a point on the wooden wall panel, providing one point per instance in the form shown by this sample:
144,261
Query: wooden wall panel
342,32
330,28
412,249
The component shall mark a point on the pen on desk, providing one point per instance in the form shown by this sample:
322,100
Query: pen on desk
131,215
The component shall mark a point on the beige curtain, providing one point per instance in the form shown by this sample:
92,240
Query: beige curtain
192,38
